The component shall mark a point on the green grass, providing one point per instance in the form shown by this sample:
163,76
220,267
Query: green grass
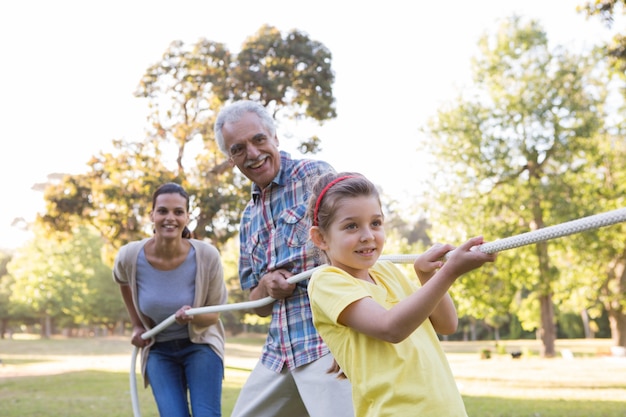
527,407
97,381
85,393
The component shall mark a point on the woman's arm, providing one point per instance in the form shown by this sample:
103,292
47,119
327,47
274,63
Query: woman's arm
202,320
138,327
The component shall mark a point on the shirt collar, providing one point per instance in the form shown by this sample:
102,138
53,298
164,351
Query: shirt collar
279,179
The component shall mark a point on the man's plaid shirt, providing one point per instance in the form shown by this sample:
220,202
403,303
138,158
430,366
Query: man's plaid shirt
274,234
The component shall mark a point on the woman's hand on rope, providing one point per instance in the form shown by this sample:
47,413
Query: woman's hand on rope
136,339
182,317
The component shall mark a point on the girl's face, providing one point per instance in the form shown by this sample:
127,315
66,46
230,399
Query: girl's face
356,236
170,215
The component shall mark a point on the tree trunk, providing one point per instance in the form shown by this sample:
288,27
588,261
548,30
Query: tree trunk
584,315
4,325
617,320
615,306
472,326
46,326
548,326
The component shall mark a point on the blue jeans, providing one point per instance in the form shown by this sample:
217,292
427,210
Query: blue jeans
176,366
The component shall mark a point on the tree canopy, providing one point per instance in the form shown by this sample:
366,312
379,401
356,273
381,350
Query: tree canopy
521,150
530,144
289,73
606,11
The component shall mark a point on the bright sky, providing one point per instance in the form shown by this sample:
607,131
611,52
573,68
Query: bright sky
69,69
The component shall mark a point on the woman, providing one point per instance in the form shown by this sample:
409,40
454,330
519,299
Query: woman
167,274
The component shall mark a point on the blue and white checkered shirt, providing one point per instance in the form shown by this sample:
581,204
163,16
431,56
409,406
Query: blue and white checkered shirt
274,234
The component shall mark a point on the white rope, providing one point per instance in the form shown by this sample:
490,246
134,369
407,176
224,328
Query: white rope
552,232
546,233
133,383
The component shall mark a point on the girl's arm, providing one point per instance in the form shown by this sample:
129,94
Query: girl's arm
444,317
396,324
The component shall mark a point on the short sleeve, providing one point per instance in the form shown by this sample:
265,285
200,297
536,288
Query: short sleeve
331,291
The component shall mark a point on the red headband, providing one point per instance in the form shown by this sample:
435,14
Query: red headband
319,198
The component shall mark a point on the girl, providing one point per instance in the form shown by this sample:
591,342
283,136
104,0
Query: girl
382,329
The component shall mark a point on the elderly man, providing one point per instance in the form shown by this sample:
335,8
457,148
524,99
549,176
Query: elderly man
291,378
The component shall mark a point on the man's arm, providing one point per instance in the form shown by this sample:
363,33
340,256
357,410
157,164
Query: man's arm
275,285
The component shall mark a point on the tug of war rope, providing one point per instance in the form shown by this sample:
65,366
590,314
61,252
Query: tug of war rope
547,233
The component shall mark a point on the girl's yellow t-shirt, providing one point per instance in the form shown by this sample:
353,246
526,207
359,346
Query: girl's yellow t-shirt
410,378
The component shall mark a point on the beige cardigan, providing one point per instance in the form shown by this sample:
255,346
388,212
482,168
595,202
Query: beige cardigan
210,290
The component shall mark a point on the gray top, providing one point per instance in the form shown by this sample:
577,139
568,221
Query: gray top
161,293
210,290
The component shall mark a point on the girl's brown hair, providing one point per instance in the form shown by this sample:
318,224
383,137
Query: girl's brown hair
328,191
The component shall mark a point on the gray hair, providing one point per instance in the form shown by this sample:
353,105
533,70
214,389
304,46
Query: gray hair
234,112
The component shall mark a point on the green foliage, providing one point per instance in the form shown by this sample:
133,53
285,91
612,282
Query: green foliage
233,320
6,281
527,147
65,280
570,326
606,10
521,150
290,73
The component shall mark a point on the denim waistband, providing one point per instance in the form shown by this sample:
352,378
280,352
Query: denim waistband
174,344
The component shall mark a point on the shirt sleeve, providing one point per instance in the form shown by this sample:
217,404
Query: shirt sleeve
247,278
119,272
331,291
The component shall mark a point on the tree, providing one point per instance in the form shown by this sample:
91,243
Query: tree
113,197
606,10
5,293
602,255
518,154
289,74
100,303
56,279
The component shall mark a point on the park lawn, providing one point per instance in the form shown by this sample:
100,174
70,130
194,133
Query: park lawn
86,393
98,382
100,394
73,394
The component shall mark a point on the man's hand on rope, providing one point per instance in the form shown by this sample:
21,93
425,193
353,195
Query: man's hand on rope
276,284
